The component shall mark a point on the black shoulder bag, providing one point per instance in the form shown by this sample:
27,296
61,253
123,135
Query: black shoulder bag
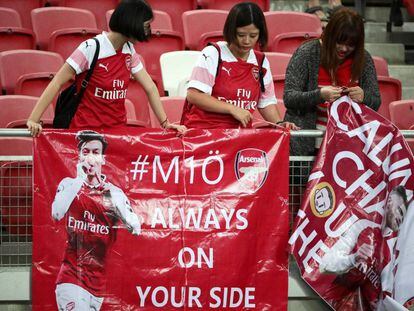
69,99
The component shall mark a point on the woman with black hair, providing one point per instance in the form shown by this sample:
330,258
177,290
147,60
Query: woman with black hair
102,104
322,70
231,78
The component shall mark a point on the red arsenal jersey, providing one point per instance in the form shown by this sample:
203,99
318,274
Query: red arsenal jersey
102,104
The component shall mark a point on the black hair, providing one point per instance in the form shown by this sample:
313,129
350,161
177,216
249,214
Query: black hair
244,14
128,19
86,136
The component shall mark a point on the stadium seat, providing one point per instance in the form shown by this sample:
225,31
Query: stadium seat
279,84
17,108
12,34
198,22
381,66
288,42
280,22
402,113
23,7
174,9
48,20
162,41
16,146
139,100
9,18
278,62
161,20
16,199
33,84
131,115
175,67
207,37
390,90
173,106
228,4
14,64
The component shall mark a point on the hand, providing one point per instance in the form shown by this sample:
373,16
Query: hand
364,252
356,94
289,126
177,127
241,115
331,93
81,170
35,128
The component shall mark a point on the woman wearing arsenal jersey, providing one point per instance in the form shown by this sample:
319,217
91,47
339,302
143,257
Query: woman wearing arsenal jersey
322,70
231,79
102,104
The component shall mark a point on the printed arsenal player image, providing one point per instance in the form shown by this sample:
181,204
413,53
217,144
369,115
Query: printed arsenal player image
92,208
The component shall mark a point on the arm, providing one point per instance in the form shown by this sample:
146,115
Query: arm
124,210
369,84
296,95
66,192
209,103
154,99
64,74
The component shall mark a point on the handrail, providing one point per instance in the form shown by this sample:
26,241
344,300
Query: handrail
301,133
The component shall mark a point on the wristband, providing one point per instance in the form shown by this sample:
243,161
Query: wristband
163,122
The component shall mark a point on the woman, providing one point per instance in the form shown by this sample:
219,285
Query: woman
322,70
102,105
231,79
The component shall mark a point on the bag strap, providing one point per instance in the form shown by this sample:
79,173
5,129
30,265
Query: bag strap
219,55
85,81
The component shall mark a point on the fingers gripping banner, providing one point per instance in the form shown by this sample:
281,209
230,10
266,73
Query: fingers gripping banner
351,233
146,220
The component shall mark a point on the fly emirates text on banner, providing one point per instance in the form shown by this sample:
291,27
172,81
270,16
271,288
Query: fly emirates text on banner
148,220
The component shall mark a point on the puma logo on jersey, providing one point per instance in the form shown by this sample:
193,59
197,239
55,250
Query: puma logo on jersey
103,66
226,70
205,56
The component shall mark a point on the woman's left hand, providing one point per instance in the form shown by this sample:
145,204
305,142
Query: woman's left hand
356,94
289,126
177,127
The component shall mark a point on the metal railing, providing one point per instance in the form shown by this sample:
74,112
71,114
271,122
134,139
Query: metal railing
16,198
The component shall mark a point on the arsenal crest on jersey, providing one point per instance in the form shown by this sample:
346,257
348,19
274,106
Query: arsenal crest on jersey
128,62
255,73
251,168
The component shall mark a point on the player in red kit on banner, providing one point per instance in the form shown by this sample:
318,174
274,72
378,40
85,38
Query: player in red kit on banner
102,105
231,80
92,208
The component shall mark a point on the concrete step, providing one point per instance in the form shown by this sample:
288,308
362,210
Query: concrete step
405,73
408,92
392,52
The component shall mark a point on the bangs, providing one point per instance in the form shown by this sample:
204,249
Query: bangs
348,36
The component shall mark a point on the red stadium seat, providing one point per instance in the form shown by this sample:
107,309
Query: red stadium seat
16,63
23,7
174,10
402,113
228,4
279,22
97,7
16,146
132,119
12,35
138,97
17,108
16,199
212,36
279,84
9,18
162,41
198,22
390,90
65,41
278,62
381,66
161,20
173,107
48,20
33,84
288,42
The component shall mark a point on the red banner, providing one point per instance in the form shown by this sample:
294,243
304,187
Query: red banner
146,220
350,237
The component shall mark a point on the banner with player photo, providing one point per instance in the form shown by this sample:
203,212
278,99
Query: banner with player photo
351,236
147,220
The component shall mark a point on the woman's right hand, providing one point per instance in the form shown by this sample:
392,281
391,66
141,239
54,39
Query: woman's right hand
35,128
241,115
330,93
